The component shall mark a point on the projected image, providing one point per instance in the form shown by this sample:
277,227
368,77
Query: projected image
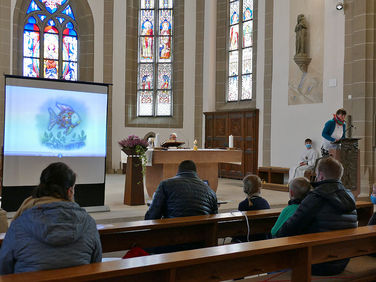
54,122
63,130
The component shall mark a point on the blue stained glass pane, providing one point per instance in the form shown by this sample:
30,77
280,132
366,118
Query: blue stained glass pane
42,17
69,71
31,67
247,10
60,19
31,44
234,12
33,27
31,20
69,48
165,22
68,11
51,23
32,7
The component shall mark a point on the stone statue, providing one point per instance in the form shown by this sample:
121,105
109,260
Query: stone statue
301,35
301,57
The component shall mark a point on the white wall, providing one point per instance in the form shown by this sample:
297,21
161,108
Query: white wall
292,124
119,131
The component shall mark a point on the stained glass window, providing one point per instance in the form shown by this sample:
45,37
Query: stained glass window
154,82
50,41
240,43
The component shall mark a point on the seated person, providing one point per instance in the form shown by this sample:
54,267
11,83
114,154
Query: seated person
50,230
329,206
173,137
298,190
306,161
252,188
182,195
372,221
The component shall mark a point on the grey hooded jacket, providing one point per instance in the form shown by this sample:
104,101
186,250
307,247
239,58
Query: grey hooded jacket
49,236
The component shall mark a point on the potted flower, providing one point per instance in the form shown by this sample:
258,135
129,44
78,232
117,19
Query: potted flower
134,146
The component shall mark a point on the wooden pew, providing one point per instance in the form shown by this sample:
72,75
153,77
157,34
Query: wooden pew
206,228
225,262
273,177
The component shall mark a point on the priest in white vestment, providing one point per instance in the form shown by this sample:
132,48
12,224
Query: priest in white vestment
306,161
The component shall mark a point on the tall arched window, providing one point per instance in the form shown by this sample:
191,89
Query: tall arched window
154,84
240,50
50,40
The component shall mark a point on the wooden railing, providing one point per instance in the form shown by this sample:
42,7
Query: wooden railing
225,262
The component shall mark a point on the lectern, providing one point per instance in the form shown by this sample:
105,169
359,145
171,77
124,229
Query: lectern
348,154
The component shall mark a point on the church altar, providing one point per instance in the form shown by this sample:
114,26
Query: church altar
164,164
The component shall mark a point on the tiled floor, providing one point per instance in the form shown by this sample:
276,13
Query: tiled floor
229,190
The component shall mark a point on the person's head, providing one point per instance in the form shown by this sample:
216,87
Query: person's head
173,136
341,114
329,168
57,180
308,143
299,188
187,166
251,185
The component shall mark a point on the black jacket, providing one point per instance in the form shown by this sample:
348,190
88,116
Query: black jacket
330,206
183,195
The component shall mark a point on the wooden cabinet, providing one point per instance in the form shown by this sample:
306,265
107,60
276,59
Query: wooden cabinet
243,125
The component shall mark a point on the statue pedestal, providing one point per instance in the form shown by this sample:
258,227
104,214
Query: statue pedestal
302,60
348,154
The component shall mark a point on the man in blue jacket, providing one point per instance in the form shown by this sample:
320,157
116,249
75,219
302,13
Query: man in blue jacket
183,195
330,206
334,130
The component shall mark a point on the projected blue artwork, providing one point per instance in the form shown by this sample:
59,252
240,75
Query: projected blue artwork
63,129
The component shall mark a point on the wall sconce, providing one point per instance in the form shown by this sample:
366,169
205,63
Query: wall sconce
339,6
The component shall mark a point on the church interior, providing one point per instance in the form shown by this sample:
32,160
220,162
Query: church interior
257,77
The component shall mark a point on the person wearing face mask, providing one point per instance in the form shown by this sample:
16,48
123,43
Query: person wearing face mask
329,206
334,130
306,161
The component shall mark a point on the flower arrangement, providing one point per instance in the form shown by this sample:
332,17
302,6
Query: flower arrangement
133,145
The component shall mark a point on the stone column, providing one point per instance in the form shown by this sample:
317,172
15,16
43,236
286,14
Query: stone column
107,71
268,78
360,82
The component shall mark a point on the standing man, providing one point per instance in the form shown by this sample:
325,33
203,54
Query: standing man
307,161
183,195
330,206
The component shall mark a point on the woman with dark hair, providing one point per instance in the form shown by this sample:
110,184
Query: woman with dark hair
50,230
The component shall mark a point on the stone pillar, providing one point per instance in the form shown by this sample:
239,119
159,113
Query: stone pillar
107,71
360,82
268,78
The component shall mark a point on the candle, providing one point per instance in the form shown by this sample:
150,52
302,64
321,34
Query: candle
231,141
156,140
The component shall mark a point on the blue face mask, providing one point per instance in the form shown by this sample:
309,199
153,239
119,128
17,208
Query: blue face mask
373,199
309,146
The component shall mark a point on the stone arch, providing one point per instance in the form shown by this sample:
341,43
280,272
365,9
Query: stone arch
85,23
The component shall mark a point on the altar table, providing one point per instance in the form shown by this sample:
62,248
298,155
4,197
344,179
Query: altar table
165,165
